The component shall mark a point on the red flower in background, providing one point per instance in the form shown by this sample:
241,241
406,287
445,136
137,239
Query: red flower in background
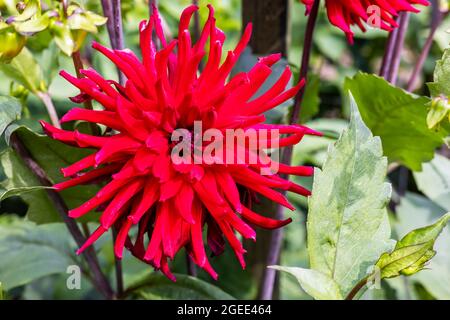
346,13
172,203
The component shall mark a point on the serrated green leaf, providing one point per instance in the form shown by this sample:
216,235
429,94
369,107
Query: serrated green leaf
348,227
412,252
317,284
30,252
441,82
10,110
51,155
398,118
158,287
434,180
25,70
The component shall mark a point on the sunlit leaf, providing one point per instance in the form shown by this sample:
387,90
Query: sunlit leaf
398,118
347,224
412,252
441,82
316,284
25,70
414,212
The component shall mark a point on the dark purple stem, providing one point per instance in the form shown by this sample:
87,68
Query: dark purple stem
99,279
196,22
436,20
397,53
112,10
268,281
387,58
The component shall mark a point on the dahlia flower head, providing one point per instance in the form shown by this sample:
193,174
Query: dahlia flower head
346,13
172,203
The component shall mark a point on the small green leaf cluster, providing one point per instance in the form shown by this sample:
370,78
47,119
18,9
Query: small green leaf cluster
67,23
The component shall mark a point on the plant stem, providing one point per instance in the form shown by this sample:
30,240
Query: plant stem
99,279
268,281
113,11
118,33
152,3
118,268
196,22
387,58
111,8
398,48
78,65
436,20
47,100
191,267
356,289
108,12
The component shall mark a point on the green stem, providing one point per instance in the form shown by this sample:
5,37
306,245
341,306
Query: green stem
47,101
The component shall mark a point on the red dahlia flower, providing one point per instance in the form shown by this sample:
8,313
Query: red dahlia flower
377,13
173,202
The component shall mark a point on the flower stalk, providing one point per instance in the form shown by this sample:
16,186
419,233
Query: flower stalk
268,281
98,278
437,17
51,110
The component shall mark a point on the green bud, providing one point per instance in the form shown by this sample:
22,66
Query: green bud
438,111
11,43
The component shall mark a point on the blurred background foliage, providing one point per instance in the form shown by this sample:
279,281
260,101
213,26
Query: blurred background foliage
324,109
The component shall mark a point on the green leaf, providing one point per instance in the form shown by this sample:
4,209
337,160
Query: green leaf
1,291
348,227
50,63
414,212
441,82
439,110
315,283
78,21
30,252
10,110
32,8
412,252
33,25
398,118
434,180
25,70
158,287
311,100
51,155
63,37
96,19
